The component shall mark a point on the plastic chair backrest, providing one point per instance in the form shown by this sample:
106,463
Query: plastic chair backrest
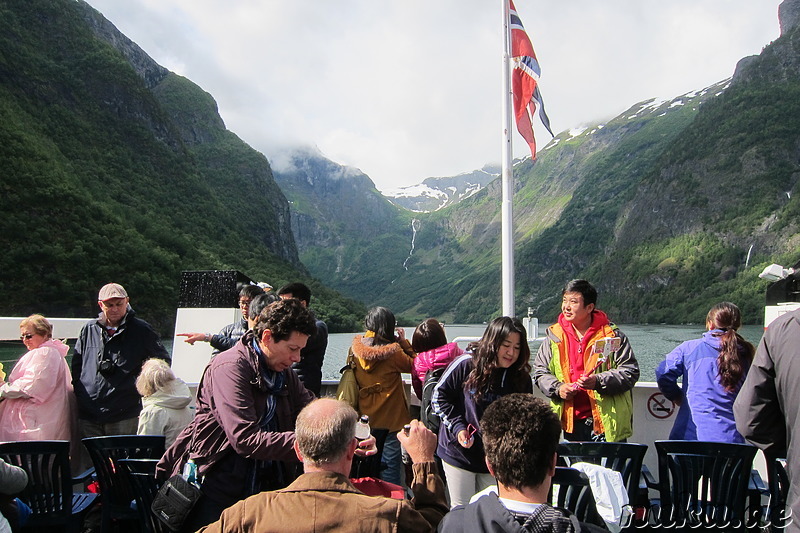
779,516
141,474
116,493
623,457
575,495
703,483
49,491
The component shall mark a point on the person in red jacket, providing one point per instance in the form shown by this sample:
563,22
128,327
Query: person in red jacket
591,394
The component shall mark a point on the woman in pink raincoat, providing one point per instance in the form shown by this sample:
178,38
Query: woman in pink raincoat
37,401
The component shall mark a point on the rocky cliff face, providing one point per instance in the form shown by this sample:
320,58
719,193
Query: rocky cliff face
331,203
780,60
119,170
788,15
151,72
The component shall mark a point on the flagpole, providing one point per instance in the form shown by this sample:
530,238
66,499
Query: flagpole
507,175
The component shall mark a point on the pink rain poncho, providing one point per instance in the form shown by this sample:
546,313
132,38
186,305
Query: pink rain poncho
37,401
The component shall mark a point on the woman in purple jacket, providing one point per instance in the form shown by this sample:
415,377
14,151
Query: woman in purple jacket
713,369
433,351
499,365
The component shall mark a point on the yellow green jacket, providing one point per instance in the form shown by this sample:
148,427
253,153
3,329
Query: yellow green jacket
611,400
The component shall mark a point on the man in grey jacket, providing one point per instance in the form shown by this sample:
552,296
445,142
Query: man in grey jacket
591,394
767,409
107,357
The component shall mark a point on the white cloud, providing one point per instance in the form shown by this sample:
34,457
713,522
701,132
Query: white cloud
411,89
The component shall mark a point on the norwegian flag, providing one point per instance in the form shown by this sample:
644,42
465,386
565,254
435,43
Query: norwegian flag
524,79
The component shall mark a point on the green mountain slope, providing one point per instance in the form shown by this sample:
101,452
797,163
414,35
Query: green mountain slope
668,209
115,169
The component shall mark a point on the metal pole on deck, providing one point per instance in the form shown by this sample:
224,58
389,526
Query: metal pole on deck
507,175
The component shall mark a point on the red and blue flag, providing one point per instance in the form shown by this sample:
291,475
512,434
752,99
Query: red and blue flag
524,81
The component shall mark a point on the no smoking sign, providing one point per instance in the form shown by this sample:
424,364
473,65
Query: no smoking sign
660,406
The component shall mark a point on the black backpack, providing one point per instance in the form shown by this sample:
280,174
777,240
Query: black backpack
426,414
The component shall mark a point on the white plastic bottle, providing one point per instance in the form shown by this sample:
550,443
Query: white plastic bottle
190,472
362,428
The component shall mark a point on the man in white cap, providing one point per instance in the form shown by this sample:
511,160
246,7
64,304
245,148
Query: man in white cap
108,356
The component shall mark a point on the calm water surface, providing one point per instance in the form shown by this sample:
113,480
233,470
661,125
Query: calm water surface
649,342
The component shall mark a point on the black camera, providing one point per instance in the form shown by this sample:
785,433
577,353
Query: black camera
107,367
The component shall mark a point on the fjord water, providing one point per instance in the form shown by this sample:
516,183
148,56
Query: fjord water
650,343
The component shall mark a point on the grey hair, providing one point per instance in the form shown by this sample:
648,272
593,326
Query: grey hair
155,375
324,439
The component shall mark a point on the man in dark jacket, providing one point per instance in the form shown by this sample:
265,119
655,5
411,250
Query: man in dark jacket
107,358
766,409
520,436
309,368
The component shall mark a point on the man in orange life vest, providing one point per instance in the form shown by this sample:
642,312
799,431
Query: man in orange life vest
591,394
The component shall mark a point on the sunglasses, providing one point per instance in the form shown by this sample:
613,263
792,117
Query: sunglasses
26,336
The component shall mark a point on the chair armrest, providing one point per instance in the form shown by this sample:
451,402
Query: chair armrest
83,477
649,480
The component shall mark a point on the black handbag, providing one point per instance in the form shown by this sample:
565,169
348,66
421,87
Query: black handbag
174,501
177,496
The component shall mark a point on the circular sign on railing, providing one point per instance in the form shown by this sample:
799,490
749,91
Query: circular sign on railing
660,406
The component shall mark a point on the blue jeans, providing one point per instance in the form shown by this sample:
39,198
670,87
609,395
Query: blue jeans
393,457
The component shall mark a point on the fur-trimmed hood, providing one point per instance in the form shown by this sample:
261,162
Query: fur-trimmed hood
378,374
371,355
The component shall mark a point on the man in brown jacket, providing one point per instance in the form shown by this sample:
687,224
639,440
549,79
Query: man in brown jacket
323,499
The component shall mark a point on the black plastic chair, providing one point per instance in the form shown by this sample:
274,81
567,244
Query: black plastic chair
703,485
623,457
575,495
778,479
49,494
141,474
370,466
116,493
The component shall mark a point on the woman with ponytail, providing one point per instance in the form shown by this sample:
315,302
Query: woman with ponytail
713,369
381,355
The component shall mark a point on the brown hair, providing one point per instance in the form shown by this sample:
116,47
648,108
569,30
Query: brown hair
520,436
429,335
735,354
283,318
484,357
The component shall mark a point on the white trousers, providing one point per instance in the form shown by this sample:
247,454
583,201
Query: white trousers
462,484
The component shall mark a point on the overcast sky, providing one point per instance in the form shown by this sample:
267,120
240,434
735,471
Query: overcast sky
407,89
